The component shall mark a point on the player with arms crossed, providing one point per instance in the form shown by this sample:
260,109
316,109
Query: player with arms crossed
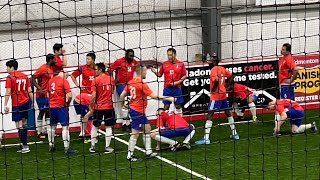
171,125
174,73
101,99
288,109
59,101
124,68
139,92
40,80
87,72
18,87
245,96
218,99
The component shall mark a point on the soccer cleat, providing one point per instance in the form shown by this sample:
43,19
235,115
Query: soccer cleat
314,127
254,118
151,155
70,151
186,146
24,150
203,141
52,149
92,149
276,134
174,147
108,150
133,158
236,136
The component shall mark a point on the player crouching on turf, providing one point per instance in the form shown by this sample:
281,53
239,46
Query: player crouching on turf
170,125
139,92
59,101
243,95
288,109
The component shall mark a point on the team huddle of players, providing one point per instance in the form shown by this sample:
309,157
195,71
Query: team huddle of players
95,101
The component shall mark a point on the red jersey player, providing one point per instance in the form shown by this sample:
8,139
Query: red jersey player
288,109
139,92
101,99
218,99
87,72
124,68
171,125
18,87
245,96
288,72
58,51
81,104
174,73
60,95
43,75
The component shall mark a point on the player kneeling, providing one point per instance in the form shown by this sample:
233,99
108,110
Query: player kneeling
172,125
59,100
288,109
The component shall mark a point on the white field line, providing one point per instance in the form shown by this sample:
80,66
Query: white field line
18,144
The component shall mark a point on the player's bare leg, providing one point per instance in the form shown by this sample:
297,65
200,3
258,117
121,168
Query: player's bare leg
232,125
252,108
22,130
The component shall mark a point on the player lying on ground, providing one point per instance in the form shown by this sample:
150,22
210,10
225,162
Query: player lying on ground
139,92
218,99
243,95
40,80
59,100
101,99
81,105
288,109
18,87
171,125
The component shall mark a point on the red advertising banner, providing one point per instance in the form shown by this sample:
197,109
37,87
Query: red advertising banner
307,84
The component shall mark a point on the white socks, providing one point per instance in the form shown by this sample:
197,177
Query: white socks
165,140
108,136
303,128
94,133
147,143
51,134
236,109
207,130
189,137
40,125
66,137
232,125
253,109
132,144
179,111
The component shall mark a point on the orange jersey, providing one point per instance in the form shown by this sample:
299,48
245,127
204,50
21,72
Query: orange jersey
83,98
281,104
103,85
43,74
218,73
19,83
139,92
58,88
286,65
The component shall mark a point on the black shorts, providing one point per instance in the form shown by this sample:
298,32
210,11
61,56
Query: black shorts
106,115
243,103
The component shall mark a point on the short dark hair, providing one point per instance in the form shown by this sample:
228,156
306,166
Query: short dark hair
288,46
12,63
160,109
49,57
129,51
92,55
101,66
173,50
57,47
140,65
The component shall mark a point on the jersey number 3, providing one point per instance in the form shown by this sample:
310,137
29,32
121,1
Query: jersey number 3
53,85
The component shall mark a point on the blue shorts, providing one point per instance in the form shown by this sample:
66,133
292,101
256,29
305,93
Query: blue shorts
120,88
173,92
80,108
43,102
171,133
138,119
59,115
20,112
255,97
218,105
295,116
287,91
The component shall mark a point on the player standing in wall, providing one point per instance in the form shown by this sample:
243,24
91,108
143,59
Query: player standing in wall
58,51
218,99
139,92
18,87
87,71
40,80
101,99
175,73
124,68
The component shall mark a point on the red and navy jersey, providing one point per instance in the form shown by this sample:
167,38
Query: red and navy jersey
87,77
172,72
19,84
171,120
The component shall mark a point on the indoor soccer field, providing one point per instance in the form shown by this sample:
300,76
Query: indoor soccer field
249,40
